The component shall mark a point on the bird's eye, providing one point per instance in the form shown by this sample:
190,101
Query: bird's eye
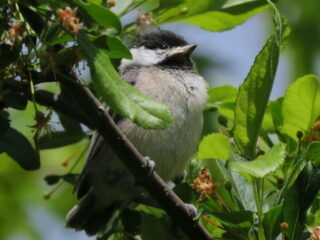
163,46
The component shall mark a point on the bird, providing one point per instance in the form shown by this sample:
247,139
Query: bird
161,68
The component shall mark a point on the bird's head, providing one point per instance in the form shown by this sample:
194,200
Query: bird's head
161,48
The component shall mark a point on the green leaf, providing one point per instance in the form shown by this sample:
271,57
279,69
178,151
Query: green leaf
34,19
130,220
244,192
147,6
52,32
263,165
70,178
237,224
158,228
301,106
54,179
267,123
316,218
271,223
275,109
96,1
282,28
8,55
235,217
156,212
15,99
285,32
225,93
59,139
222,175
119,95
313,153
300,163
210,15
185,192
253,98
299,198
4,121
112,46
61,38
100,14
19,149
225,19
227,109
69,124
215,145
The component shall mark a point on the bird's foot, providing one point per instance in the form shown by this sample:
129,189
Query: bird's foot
192,210
101,109
151,165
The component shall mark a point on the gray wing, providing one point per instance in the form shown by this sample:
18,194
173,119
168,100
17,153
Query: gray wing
83,186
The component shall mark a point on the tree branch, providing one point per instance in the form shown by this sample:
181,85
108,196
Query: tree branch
88,111
136,163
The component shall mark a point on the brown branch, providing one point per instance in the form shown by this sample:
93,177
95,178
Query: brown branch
92,115
137,164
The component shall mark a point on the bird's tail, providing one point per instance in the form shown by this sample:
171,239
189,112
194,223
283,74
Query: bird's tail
89,217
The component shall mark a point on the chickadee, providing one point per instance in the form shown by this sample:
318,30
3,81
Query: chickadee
161,68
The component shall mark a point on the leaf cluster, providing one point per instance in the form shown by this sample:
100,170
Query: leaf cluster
264,160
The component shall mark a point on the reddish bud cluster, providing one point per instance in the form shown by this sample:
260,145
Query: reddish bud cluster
315,233
313,134
284,226
13,35
204,184
68,19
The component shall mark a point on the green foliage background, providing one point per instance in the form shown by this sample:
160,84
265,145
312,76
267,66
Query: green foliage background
22,192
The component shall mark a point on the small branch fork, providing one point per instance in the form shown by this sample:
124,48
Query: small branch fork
86,109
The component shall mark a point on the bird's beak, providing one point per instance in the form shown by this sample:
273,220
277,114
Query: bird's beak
181,51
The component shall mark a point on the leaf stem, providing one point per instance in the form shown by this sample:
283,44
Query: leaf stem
278,20
32,93
83,152
211,222
257,185
217,196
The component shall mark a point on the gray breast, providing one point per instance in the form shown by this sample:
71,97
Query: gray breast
185,95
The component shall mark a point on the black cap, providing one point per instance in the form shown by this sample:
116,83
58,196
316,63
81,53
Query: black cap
160,39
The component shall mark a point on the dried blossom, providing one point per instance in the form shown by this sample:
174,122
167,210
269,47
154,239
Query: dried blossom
69,20
14,34
145,19
313,134
204,184
315,233
42,126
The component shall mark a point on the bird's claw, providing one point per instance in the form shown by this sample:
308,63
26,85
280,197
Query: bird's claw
150,164
101,109
192,210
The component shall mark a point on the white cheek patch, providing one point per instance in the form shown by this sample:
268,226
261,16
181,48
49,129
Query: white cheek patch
142,56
